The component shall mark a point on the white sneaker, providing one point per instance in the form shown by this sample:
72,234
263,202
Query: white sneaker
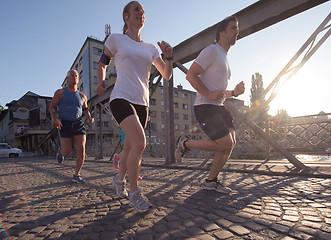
120,188
216,186
139,201
181,149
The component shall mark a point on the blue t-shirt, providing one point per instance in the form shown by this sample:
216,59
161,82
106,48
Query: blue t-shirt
70,106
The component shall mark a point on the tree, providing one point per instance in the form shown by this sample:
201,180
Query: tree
258,98
281,117
1,108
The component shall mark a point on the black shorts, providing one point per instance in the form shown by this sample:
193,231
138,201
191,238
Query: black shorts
122,108
214,120
72,128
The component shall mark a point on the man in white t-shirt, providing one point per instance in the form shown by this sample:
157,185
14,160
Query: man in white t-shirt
209,75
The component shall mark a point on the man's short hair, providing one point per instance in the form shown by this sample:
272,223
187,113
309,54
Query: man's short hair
223,24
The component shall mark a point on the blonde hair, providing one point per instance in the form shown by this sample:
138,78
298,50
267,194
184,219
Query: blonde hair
126,10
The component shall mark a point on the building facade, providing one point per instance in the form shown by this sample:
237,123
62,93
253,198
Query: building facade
26,121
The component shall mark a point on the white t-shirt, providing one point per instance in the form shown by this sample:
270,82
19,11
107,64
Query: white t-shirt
133,62
213,59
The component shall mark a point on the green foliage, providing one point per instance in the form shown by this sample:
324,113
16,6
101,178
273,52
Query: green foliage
257,98
1,108
281,117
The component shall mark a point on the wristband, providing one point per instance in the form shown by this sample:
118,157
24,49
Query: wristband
234,95
169,58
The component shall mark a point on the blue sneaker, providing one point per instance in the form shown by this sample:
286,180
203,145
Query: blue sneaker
78,179
59,157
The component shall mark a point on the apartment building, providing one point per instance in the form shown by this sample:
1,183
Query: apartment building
184,120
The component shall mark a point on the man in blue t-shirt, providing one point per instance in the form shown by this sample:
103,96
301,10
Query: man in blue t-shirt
71,104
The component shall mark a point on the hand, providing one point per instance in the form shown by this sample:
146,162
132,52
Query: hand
57,123
101,88
165,48
91,120
216,95
239,89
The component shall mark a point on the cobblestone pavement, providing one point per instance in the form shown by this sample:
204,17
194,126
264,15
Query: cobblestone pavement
38,201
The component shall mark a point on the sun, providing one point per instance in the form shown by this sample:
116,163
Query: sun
300,95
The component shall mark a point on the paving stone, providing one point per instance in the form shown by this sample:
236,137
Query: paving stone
206,237
224,223
291,218
210,227
254,226
300,235
193,231
280,228
223,234
239,230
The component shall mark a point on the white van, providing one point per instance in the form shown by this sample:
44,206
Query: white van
8,151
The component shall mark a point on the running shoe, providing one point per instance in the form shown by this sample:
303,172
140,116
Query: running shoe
116,162
139,201
216,186
120,187
181,149
59,157
78,179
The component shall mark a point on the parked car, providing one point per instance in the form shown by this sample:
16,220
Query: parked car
7,151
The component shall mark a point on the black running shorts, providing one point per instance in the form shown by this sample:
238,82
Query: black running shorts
214,120
121,109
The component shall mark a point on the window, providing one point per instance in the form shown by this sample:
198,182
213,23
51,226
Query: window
80,61
185,106
162,102
153,126
176,127
97,51
176,116
81,88
175,94
105,124
152,113
152,102
185,127
185,95
176,105
95,65
185,116
161,90
95,80
162,115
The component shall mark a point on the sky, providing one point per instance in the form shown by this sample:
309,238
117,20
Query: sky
40,40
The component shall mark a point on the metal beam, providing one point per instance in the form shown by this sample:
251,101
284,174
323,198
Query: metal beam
267,138
255,17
